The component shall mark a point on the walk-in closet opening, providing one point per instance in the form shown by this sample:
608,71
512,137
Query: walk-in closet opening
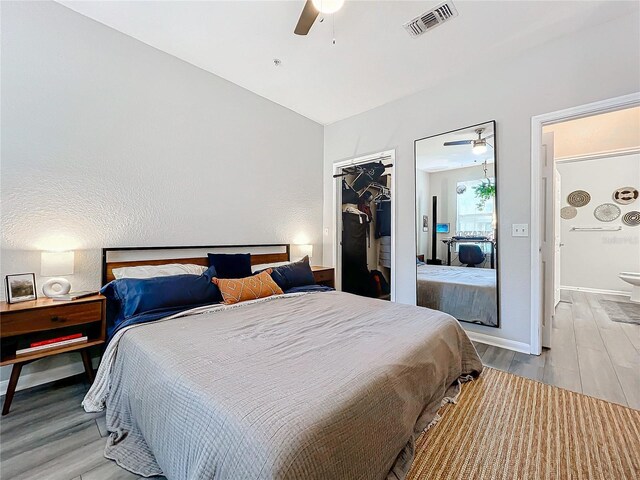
365,222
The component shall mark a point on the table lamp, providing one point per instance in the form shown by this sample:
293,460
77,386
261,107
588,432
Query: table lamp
53,264
300,251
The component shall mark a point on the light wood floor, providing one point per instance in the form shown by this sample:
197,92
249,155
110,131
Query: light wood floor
589,353
47,435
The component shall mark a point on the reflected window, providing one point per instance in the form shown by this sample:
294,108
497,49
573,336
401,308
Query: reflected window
474,217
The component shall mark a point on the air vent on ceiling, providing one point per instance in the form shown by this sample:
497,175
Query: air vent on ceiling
431,19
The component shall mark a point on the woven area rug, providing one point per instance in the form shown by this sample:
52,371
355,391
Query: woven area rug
509,427
625,312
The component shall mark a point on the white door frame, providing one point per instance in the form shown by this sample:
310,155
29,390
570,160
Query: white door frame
537,123
548,212
337,212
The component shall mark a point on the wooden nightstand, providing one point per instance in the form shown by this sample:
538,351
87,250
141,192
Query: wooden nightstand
324,276
41,319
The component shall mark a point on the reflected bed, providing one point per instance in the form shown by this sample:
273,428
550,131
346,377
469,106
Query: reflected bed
469,294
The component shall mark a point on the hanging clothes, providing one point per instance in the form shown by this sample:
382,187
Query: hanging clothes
349,195
383,219
368,173
363,206
353,208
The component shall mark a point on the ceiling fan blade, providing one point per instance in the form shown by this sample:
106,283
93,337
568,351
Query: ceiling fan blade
458,142
307,17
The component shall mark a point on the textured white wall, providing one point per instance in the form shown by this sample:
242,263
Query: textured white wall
109,142
590,65
594,259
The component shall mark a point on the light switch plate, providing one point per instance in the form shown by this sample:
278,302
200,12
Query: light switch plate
520,230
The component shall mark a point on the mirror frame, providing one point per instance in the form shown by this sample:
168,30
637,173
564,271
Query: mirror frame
496,206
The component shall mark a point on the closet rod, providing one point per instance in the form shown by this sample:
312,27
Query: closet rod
352,166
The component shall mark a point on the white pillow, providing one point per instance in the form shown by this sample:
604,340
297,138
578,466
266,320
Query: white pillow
262,266
150,271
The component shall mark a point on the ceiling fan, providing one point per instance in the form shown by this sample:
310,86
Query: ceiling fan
479,144
311,10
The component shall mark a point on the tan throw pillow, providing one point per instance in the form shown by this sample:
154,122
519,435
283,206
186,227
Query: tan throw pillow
236,290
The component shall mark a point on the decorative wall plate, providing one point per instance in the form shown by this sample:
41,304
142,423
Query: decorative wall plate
568,212
625,195
607,212
631,218
578,198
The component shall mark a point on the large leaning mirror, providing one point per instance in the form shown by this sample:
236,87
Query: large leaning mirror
457,222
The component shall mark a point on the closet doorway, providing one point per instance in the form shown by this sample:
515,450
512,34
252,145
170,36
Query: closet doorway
364,216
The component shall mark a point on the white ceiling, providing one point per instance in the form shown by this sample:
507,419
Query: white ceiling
374,60
433,156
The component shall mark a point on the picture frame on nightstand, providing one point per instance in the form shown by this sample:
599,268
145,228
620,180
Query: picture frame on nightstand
21,287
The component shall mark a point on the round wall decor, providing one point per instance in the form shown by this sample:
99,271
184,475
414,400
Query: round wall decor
607,212
568,212
625,195
578,198
631,218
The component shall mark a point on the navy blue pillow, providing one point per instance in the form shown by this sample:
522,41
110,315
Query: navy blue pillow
234,265
127,297
296,274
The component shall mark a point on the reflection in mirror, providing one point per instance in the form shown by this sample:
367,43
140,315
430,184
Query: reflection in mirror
457,252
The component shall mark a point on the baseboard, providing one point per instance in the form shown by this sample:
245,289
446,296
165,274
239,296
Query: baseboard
596,290
499,342
33,379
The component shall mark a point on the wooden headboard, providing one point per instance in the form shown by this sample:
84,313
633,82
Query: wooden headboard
118,257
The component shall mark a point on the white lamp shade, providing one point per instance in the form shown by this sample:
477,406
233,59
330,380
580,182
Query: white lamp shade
300,251
56,263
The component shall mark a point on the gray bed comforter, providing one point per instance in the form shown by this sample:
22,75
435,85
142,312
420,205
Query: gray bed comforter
468,294
313,386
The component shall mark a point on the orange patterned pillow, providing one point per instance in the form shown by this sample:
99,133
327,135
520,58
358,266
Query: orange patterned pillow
236,290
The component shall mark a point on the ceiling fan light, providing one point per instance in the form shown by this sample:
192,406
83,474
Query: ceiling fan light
479,147
328,6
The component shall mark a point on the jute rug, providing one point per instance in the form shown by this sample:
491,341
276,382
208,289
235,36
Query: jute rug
509,427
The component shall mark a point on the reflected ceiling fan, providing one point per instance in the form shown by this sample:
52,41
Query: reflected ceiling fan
479,144
311,10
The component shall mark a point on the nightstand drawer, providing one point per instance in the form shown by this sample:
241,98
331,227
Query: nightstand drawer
28,321
323,275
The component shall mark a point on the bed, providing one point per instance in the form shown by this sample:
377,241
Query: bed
309,385
469,294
